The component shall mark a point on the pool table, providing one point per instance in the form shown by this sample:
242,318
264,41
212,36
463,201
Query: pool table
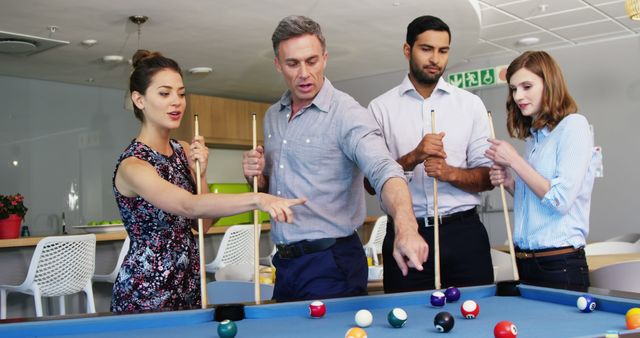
537,312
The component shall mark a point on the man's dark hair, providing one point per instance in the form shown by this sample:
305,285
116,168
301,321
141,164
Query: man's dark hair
425,23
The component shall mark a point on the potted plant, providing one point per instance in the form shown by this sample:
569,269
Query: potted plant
12,211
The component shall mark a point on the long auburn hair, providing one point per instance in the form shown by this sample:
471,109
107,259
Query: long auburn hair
556,100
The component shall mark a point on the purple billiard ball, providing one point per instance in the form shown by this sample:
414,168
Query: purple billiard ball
438,299
452,293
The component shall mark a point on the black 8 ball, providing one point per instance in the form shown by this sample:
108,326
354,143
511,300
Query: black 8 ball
443,321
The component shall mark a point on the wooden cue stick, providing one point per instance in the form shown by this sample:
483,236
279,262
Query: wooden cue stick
516,275
203,272
256,226
436,220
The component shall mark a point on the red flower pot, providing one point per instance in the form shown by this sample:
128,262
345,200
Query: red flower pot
10,227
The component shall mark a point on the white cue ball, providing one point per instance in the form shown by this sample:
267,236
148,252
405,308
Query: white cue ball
364,318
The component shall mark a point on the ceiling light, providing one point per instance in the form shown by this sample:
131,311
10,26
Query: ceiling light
633,9
89,42
112,58
15,46
528,41
200,70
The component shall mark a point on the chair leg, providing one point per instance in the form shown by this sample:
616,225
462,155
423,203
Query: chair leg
37,300
3,303
61,306
88,290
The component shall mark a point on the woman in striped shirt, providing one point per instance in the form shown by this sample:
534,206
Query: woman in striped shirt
552,183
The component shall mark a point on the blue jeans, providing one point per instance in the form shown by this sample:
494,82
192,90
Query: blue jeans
568,271
340,271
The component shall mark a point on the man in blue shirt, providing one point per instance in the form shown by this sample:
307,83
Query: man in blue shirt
319,144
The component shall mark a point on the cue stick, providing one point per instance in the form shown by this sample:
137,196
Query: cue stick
436,220
203,274
505,210
256,227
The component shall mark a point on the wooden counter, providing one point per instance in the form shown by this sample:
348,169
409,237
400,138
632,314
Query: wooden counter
108,236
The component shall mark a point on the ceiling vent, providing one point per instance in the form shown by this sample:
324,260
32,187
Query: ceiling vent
14,43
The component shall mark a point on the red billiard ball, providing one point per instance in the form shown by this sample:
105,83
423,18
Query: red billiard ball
505,329
470,309
317,309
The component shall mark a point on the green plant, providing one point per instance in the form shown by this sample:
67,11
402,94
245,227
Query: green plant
12,204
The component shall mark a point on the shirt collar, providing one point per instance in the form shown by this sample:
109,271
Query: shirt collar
406,86
322,100
539,134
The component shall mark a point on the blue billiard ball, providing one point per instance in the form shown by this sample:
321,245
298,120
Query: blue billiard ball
452,293
438,299
586,303
227,329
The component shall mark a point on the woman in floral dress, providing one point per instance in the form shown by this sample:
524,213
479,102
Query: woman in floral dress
154,186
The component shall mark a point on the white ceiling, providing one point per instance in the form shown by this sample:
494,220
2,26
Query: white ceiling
233,36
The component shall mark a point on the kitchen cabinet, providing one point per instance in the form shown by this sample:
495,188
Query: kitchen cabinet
224,123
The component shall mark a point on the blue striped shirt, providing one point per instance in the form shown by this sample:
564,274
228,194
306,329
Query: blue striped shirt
566,158
322,154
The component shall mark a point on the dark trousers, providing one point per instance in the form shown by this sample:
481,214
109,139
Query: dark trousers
340,271
568,271
465,257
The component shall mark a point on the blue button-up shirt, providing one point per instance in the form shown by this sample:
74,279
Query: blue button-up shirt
322,154
566,158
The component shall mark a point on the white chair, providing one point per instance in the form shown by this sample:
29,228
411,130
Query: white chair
237,272
611,248
621,276
268,260
111,277
236,248
629,238
60,266
374,245
227,291
502,268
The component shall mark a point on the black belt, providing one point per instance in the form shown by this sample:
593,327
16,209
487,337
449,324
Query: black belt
297,249
450,218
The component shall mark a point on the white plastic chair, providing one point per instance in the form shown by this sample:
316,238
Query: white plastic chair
374,245
236,248
60,266
111,277
611,248
231,291
268,260
629,238
502,268
621,276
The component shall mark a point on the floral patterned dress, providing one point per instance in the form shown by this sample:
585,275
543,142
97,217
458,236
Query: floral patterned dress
161,269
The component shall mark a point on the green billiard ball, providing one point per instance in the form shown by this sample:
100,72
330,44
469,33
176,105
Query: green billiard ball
227,329
397,317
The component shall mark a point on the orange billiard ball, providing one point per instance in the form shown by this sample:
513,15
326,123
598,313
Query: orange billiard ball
356,332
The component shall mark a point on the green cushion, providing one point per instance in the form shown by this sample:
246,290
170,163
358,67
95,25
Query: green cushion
243,218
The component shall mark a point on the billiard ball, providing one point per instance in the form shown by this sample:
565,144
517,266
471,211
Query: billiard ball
452,293
505,329
633,321
227,329
443,321
364,318
317,309
632,311
586,303
355,332
470,309
397,317
438,299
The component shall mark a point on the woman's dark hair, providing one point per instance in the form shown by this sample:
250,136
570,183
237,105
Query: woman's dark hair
146,65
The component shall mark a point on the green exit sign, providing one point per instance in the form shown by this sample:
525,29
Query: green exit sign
479,78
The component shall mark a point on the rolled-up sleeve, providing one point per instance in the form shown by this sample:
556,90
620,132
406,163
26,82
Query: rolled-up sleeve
478,143
574,153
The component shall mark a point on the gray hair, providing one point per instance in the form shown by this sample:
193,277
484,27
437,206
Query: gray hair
294,26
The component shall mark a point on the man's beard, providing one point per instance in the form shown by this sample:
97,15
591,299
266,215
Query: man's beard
422,76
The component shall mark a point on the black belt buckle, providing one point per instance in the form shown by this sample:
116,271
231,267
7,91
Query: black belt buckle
456,216
289,251
295,250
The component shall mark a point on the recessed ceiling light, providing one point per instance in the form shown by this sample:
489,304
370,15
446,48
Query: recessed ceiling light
528,41
89,42
112,58
200,70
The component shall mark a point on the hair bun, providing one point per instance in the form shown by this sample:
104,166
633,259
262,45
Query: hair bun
141,55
